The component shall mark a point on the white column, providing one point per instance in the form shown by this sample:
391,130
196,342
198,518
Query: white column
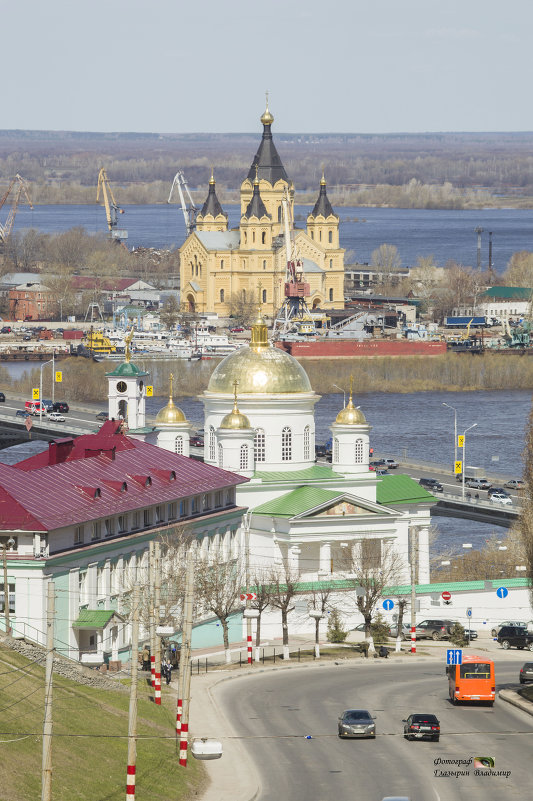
294,559
423,555
325,558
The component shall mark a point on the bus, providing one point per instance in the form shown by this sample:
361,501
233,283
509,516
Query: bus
473,680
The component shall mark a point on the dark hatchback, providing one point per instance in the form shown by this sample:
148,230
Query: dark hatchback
61,406
526,672
431,484
515,637
421,727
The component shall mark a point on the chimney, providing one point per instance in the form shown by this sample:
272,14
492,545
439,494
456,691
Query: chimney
59,450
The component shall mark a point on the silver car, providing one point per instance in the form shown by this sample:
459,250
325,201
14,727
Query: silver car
357,723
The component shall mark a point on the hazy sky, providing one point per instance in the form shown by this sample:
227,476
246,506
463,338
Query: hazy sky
204,65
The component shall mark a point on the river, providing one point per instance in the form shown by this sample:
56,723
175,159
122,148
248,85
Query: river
445,234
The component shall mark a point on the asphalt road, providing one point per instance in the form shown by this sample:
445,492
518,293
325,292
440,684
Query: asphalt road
273,713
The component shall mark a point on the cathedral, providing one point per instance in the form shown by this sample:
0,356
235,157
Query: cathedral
221,268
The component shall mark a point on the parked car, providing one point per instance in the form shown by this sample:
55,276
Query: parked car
2,397
514,483
422,726
380,471
238,329
378,463
405,633
434,629
526,672
431,484
357,723
496,490
321,451
102,416
459,478
515,637
56,417
22,413
6,329
48,405
501,498
496,629
478,483
61,406
197,442
391,464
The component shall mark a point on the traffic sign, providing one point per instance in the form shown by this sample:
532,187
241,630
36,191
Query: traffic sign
469,611
28,423
454,656
502,592
388,604
461,441
446,596
248,596
59,376
457,467
149,391
35,393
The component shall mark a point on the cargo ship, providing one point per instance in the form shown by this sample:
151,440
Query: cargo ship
319,347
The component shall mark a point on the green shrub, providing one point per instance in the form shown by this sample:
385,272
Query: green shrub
379,629
336,631
458,636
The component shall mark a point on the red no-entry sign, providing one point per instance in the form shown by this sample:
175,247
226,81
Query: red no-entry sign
446,596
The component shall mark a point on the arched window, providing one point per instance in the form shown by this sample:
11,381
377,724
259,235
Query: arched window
253,236
286,444
259,445
331,294
211,444
220,455
307,438
320,235
192,268
244,296
221,264
264,264
335,450
245,237
330,263
263,237
330,237
358,451
312,234
178,445
123,409
222,296
244,457
264,296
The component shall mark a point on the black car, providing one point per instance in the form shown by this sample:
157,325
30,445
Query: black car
421,727
526,672
6,329
22,413
61,406
2,397
497,490
515,637
357,723
102,416
431,484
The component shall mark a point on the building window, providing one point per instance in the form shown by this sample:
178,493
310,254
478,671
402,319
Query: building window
312,234
307,439
205,502
218,499
147,517
184,508
221,264
159,514
136,521
358,451
330,237
264,296
195,506
122,523
263,237
244,296
259,445
245,238
244,457
335,450
109,527
96,530
11,593
264,264
178,445
253,236
331,294
222,296
171,511
78,535
220,455
230,496
286,444
320,236
330,263
211,444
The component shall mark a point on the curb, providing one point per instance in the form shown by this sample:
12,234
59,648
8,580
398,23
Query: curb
512,697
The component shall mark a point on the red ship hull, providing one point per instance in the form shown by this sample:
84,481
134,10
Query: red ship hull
349,348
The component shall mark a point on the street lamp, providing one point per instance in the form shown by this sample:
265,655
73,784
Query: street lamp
343,394
454,410
50,361
9,543
478,231
464,456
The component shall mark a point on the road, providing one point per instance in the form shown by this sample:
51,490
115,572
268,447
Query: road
273,713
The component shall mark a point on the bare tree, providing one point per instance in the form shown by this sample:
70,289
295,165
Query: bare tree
519,271
218,586
170,313
242,307
261,586
283,588
387,258
319,603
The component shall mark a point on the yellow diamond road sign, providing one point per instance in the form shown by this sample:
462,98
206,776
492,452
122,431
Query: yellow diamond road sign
35,393
59,376
461,441
149,392
458,467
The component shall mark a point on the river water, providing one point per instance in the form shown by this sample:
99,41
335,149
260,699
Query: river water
445,234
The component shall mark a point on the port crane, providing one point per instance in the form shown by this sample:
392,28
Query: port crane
294,308
21,189
112,209
189,210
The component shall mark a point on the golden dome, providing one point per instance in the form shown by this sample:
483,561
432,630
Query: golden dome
260,368
267,118
235,420
170,413
350,415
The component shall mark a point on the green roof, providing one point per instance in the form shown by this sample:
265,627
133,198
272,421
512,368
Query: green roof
392,490
316,473
508,293
405,589
297,502
93,618
127,370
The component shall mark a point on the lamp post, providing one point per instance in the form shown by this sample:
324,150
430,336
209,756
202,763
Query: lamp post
10,542
50,361
464,456
343,394
478,231
454,410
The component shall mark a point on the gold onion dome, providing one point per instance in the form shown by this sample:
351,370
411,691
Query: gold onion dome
259,368
350,415
266,117
235,420
170,413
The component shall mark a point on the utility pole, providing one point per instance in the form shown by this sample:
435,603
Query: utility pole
151,590
185,661
132,719
6,593
157,638
247,520
46,775
413,531
478,231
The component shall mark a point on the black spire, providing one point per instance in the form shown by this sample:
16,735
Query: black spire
212,205
256,207
322,206
267,160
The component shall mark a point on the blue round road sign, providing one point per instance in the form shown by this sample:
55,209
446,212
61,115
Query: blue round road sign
388,604
502,592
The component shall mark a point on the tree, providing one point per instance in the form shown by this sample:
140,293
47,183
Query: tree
458,636
170,313
368,571
283,588
242,307
336,630
218,586
319,603
261,586
526,518
387,258
519,271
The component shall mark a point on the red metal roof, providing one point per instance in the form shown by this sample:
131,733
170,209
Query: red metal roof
39,495
107,284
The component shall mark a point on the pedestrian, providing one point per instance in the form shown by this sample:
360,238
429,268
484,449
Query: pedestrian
168,671
146,658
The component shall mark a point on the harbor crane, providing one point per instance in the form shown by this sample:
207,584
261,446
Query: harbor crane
21,189
294,308
189,211
112,209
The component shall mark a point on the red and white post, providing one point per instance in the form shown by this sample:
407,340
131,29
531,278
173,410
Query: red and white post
413,639
184,737
132,718
130,783
152,668
179,710
157,688
249,638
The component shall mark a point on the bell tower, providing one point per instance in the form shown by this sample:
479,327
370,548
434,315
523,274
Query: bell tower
126,391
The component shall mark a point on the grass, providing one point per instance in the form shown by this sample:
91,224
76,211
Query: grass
91,767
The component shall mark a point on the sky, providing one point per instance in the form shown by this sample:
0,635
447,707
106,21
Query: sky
348,66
